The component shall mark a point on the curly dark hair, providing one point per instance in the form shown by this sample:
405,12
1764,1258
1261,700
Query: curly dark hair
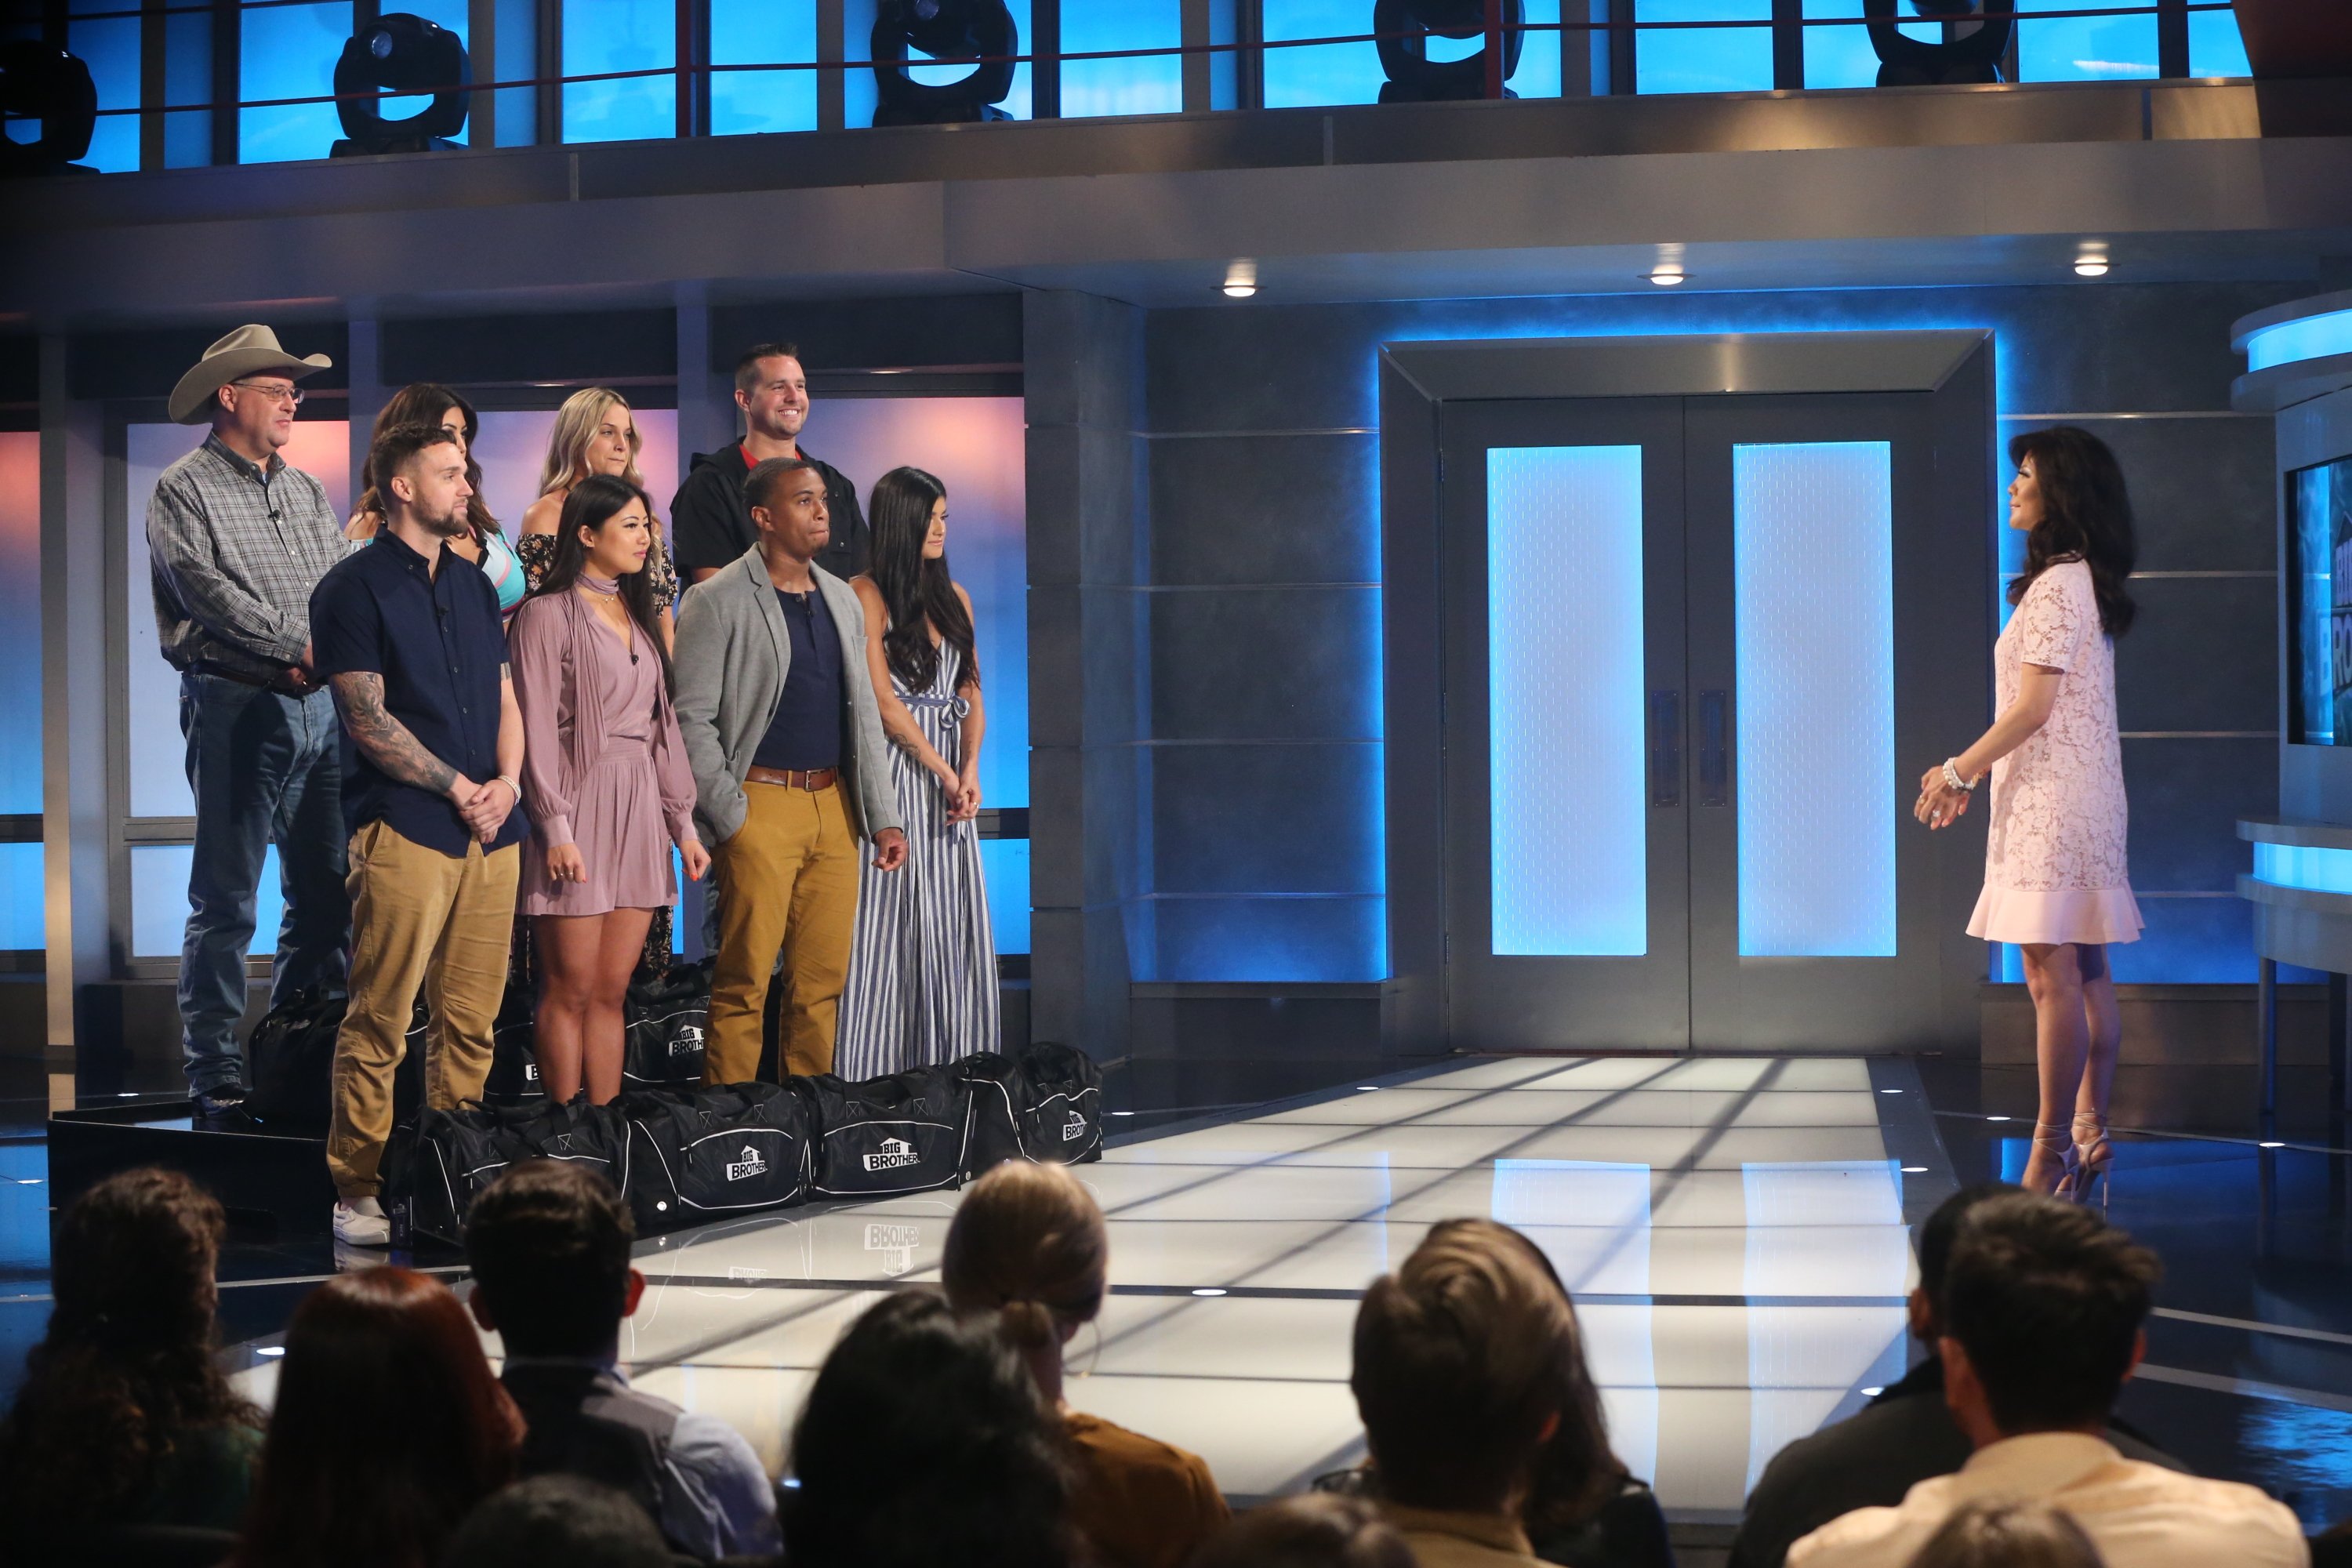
2086,511
126,1369
925,1440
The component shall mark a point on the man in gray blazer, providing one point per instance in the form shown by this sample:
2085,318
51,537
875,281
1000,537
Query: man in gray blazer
777,709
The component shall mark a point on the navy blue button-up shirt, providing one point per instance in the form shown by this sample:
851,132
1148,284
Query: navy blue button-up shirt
805,732
436,637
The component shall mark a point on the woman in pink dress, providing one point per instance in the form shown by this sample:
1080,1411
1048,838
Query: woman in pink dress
2055,879
604,778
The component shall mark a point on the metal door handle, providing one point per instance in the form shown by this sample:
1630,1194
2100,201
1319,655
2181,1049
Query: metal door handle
1714,748
1665,748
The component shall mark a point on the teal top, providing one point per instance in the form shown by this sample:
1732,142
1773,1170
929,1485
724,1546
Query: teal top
505,572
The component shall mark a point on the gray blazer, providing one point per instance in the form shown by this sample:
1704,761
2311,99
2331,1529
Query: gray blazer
731,654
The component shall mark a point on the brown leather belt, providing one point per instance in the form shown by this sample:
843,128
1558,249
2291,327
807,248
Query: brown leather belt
794,778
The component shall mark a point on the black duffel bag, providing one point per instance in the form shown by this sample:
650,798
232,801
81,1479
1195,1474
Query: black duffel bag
289,1062
903,1133
434,1168
514,1053
1042,1103
700,1153
667,1017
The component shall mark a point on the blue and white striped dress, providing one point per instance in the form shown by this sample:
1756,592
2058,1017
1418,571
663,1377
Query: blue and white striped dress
922,965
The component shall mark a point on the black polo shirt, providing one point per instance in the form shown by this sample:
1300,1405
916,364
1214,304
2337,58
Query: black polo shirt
805,732
436,637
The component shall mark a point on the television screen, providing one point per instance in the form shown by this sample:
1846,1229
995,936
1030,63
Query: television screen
2319,524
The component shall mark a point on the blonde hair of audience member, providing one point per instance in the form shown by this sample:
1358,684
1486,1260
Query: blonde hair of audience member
1317,1531
1029,1243
592,417
1997,1534
1461,1358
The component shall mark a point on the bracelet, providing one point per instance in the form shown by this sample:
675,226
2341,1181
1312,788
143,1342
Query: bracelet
1952,779
513,787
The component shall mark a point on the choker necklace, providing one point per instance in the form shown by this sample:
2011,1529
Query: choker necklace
603,587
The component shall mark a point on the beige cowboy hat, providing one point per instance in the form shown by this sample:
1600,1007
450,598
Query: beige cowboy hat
241,354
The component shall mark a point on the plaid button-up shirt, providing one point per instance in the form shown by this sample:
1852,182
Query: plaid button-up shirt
236,550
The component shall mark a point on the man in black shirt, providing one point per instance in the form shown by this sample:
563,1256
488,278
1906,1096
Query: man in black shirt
710,522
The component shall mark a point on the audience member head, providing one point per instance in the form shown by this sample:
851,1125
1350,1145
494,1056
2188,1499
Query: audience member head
125,1369
429,403
1317,1531
1936,1234
2070,499
1029,1245
595,433
1997,1534
909,513
388,1429
786,496
420,471
2042,1304
558,1522
923,1442
1462,1358
772,389
1575,1472
548,1243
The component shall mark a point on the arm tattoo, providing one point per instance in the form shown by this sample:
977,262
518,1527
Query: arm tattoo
384,740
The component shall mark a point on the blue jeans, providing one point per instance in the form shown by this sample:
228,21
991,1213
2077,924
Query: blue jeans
264,766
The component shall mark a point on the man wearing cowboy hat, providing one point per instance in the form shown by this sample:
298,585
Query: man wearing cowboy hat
236,541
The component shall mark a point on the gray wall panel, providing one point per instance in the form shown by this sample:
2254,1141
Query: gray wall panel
1265,664
1264,508
2186,799
2200,488
1286,818
2201,655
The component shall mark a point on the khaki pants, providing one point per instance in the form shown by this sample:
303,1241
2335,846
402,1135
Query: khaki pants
419,917
788,879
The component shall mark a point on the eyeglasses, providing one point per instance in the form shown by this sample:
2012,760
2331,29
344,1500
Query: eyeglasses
289,395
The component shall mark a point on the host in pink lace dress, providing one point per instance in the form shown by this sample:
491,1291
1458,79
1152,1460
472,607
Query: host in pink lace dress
2056,884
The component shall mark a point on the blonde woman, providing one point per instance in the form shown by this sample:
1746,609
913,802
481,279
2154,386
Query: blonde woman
595,433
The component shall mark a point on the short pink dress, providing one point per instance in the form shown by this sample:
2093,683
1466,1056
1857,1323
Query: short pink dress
2055,864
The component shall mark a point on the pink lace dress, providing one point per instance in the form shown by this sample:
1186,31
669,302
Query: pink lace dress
2054,865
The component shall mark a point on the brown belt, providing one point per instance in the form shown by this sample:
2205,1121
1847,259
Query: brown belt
794,778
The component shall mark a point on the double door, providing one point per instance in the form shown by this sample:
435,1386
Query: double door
1692,675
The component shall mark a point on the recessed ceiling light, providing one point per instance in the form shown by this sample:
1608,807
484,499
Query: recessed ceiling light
1871,1392
1240,279
2091,264
1995,1118
1915,1170
1890,1091
2267,1144
269,1350
1208,1290
1665,277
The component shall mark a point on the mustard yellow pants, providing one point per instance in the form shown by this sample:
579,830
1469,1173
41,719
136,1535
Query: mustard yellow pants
788,881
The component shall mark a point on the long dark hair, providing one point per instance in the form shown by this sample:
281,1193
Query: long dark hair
593,502
423,403
925,1441
2086,511
389,1428
125,1370
918,593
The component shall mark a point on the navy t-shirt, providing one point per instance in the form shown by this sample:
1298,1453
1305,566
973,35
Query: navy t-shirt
436,637
805,732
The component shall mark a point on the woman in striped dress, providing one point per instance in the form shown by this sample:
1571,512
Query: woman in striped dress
922,966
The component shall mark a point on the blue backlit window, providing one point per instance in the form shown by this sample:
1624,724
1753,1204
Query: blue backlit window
602,36
2214,46
1320,73
2319,602
1841,56
2083,49
1139,86
110,46
1813,575
1564,679
1704,59
750,32
289,51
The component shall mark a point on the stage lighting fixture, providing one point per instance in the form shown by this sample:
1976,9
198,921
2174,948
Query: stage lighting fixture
39,81
945,30
404,53
1405,27
1240,280
1968,57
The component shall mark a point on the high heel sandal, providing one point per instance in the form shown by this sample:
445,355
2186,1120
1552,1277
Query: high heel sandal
2097,1155
2059,1136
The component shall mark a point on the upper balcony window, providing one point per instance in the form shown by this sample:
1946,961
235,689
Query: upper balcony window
1148,85
1704,59
761,32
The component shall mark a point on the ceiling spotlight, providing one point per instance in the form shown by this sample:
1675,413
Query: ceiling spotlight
406,54
2091,264
980,31
1667,276
1240,280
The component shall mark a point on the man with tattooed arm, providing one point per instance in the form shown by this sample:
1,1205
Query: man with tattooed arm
408,637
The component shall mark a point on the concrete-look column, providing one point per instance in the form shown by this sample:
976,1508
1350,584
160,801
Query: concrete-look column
1089,828
76,887
707,421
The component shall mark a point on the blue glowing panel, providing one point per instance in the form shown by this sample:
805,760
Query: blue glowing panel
2083,49
289,51
187,79
1135,86
1704,59
602,36
758,32
1813,570
1320,73
2215,47
110,46
159,901
517,33
20,625
1841,56
1004,865
2309,338
1564,677
2304,866
2319,521
21,900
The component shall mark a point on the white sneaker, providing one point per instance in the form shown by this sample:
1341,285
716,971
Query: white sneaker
363,1224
